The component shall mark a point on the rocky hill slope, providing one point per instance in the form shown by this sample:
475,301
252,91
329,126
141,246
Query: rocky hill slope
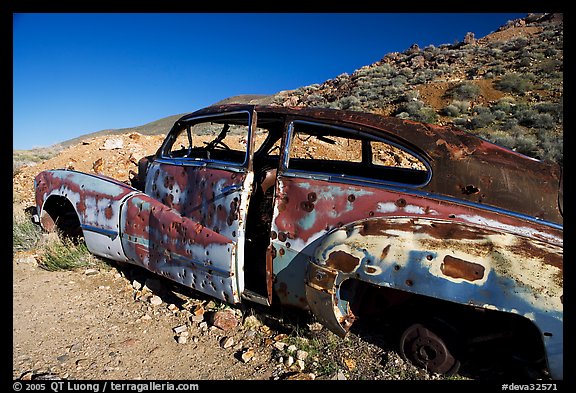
506,87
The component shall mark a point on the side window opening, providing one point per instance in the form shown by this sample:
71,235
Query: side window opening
219,138
345,152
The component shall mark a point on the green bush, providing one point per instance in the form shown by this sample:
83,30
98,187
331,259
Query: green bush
514,83
65,254
465,91
25,234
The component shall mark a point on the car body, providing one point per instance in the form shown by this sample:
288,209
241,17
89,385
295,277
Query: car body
331,211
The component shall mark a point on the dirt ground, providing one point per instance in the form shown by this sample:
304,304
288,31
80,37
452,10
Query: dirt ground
118,321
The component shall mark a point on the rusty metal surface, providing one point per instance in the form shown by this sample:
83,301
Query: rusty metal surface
485,231
418,244
161,240
463,165
96,200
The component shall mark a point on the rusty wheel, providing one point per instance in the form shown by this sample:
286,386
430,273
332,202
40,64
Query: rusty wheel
422,346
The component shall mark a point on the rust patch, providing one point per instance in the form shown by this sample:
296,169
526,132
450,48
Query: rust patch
527,249
108,212
385,251
342,261
459,268
370,269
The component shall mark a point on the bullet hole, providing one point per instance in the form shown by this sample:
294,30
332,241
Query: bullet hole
401,202
307,206
429,257
312,197
469,189
351,198
409,283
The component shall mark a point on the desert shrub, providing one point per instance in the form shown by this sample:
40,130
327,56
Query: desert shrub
65,254
25,234
551,146
451,110
416,110
556,110
531,118
411,95
350,103
499,115
482,119
505,104
465,91
514,83
509,124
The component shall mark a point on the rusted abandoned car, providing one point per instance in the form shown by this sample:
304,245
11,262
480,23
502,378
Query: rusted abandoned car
348,215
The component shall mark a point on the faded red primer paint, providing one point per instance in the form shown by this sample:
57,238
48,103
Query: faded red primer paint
459,268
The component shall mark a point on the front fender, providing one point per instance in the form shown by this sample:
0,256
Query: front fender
97,201
466,264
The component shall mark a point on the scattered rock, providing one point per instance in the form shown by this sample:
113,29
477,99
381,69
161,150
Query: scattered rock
315,327
136,285
180,329
340,376
291,348
155,300
301,354
198,310
247,355
173,307
225,319
90,272
197,318
182,339
279,345
112,143
63,358
289,361
300,364
226,342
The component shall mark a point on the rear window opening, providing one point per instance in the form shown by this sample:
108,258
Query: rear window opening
345,152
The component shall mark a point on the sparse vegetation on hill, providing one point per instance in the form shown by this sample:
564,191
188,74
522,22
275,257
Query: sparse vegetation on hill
506,87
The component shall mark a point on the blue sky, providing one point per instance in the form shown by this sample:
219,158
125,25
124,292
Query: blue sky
79,73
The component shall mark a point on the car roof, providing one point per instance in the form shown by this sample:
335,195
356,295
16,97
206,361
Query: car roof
459,160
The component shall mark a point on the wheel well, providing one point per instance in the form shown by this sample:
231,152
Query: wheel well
58,214
486,341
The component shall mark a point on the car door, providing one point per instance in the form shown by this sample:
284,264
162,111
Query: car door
190,224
